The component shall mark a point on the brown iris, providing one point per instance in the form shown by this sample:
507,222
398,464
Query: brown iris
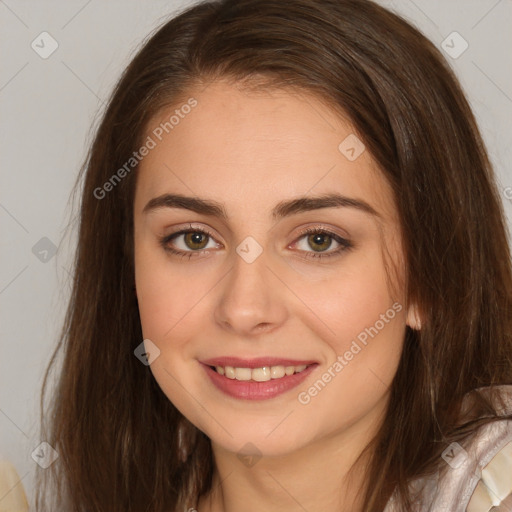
192,239
319,239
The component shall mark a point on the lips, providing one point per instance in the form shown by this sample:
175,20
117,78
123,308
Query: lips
257,379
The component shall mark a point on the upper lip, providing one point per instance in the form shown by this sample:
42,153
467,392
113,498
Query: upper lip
257,362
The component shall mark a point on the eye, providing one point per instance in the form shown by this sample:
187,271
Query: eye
321,240
189,242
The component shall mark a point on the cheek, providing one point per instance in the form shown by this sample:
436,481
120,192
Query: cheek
157,292
166,300
163,304
171,298
351,299
364,356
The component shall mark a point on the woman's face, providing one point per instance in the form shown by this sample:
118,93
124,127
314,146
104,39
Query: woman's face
256,297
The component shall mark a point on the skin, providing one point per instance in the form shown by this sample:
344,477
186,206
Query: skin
250,150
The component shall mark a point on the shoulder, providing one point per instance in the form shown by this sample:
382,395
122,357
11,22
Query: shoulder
493,446
478,476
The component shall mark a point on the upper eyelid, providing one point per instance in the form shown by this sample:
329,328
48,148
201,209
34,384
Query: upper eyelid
188,229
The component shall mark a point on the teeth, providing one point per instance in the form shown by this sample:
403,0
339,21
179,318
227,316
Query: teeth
262,374
243,373
276,372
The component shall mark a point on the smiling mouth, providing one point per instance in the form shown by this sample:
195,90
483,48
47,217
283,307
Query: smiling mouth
262,374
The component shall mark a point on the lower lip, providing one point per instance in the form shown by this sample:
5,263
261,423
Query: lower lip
252,390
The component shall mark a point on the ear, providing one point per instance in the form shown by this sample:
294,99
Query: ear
413,319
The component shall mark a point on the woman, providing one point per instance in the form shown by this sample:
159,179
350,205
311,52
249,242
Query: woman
292,283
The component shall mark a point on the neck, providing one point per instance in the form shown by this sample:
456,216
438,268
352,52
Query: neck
315,477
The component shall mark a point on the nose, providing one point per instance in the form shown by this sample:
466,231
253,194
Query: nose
252,298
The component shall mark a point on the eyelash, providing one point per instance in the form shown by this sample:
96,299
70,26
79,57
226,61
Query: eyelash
345,245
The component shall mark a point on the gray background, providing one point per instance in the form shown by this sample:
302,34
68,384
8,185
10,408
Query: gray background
48,108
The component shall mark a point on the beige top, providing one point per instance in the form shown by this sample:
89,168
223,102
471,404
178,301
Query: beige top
12,493
480,476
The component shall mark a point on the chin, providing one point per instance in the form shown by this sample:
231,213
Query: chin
256,440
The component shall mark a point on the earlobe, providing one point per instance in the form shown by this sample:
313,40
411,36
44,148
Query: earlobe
413,318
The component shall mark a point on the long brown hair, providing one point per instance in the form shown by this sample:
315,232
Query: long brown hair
116,433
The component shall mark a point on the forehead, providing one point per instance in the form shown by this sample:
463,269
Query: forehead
251,149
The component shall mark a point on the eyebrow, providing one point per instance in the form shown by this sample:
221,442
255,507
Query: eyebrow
282,209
